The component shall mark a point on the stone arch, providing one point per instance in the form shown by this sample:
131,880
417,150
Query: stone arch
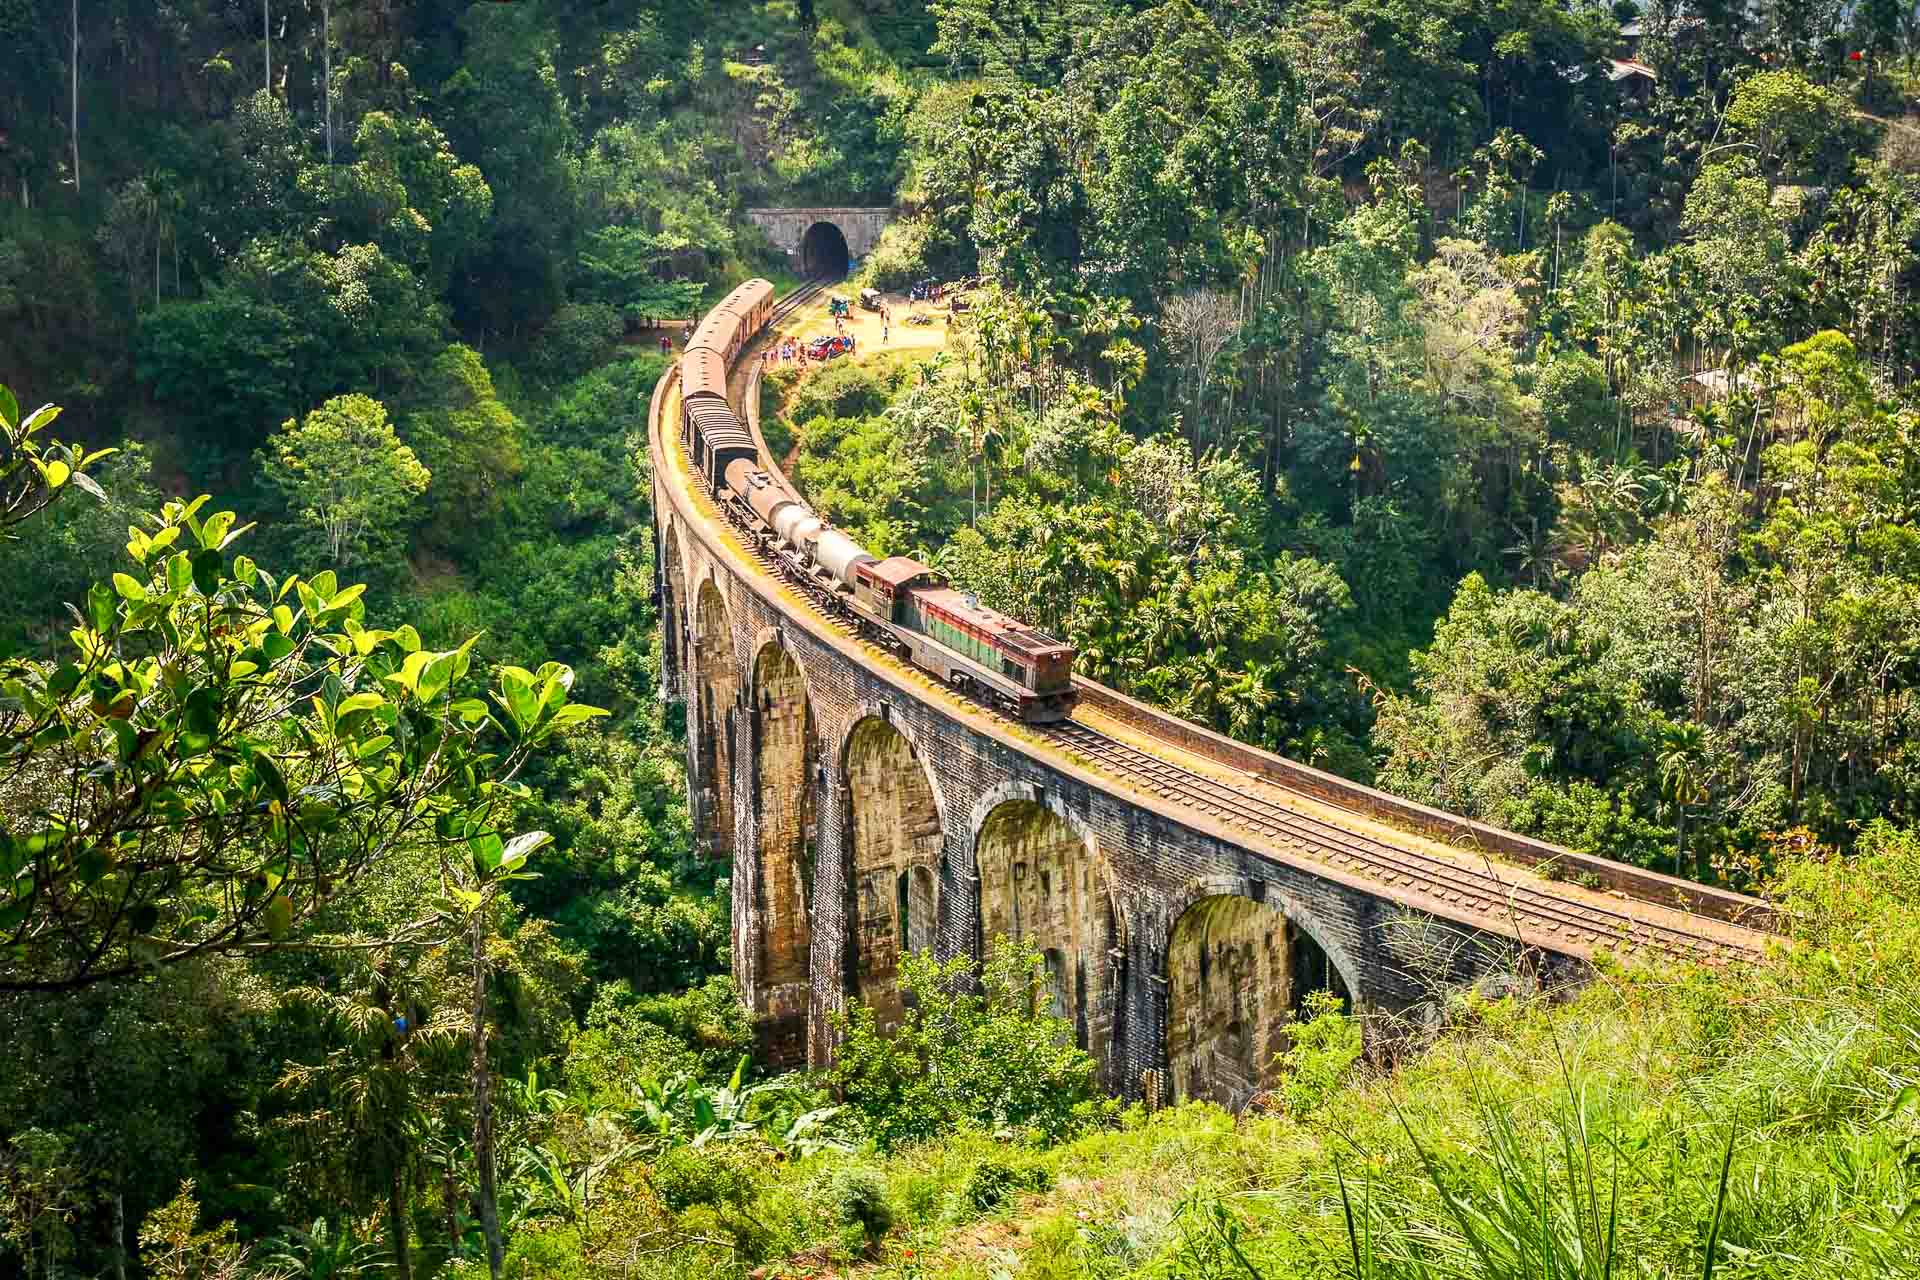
1041,880
786,759
717,690
673,583
1237,962
894,829
823,250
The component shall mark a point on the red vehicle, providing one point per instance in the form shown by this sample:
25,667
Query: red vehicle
826,348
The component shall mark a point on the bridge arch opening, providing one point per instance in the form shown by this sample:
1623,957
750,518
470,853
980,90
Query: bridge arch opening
718,691
1041,883
823,251
787,756
894,845
1237,970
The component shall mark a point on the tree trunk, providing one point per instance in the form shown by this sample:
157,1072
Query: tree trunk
266,35
1680,842
326,71
73,123
119,1253
449,1208
397,1222
483,1101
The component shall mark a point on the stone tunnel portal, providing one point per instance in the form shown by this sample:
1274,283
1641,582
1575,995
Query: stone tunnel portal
894,856
823,251
1236,970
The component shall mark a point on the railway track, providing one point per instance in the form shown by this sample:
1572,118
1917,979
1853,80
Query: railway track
1482,891
799,298
1515,902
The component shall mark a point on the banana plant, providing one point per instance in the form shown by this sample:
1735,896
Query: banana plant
322,1252
683,1111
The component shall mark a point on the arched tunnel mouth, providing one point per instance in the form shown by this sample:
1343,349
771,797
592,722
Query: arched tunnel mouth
823,251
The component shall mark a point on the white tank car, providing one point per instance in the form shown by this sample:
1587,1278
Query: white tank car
795,523
835,552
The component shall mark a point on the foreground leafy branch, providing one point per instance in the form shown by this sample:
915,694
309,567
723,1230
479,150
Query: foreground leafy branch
221,750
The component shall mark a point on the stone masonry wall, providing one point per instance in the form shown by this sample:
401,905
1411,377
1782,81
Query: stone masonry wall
787,227
922,789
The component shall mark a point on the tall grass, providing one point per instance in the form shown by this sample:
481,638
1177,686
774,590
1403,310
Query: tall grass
1698,1125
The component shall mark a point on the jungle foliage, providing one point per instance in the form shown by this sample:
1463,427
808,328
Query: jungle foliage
1422,390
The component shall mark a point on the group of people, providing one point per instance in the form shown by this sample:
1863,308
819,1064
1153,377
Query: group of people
666,338
925,291
794,349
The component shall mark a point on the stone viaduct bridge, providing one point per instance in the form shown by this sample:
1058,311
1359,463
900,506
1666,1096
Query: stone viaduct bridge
1185,890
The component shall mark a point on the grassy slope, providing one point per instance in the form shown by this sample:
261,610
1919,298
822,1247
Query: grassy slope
1582,1138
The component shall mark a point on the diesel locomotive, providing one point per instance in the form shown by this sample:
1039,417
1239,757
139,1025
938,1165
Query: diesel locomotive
897,602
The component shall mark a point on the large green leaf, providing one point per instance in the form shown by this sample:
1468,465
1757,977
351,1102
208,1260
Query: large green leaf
101,604
358,702
487,849
209,567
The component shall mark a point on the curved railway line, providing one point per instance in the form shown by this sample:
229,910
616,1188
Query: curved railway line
1479,890
1457,884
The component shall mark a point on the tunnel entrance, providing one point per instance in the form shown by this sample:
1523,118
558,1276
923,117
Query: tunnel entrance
823,251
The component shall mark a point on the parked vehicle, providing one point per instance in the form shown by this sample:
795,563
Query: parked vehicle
826,347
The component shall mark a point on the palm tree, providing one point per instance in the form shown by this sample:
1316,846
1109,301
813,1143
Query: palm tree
362,1111
1683,780
1533,553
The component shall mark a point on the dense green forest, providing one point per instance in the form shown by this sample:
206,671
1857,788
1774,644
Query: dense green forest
1507,404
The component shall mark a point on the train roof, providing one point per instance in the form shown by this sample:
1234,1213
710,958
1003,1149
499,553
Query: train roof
897,571
718,427
703,371
1007,633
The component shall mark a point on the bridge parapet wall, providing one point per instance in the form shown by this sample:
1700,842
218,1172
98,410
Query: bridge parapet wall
1639,882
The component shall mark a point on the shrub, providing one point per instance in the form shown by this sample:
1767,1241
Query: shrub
728,1174
859,1199
991,1059
993,1184
900,257
1324,1045
580,336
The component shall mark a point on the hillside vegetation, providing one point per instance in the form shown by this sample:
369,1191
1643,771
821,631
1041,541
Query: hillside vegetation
1508,405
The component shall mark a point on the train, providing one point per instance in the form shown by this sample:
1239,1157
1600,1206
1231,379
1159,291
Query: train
896,602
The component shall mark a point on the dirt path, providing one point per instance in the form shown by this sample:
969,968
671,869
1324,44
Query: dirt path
813,321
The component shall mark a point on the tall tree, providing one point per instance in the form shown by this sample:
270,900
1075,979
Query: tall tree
344,473
74,118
